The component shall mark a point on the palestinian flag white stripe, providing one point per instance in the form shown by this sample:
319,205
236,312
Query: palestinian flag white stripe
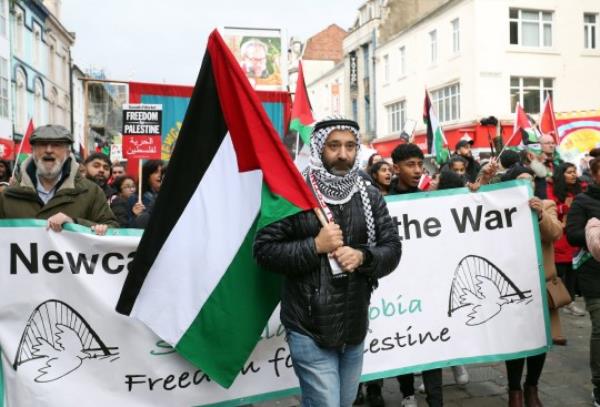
215,207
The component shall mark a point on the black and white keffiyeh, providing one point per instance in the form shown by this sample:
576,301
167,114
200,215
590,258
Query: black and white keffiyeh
335,189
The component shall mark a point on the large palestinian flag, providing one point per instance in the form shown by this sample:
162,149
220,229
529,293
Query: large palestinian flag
194,281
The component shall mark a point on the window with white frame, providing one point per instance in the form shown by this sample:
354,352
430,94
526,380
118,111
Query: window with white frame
446,102
433,46
38,95
37,40
402,61
4,88
67,111
530,92
52,106
65,69
18,43
455,36
386,68
20,102
51,64
396,114
590,30
530,28
3,18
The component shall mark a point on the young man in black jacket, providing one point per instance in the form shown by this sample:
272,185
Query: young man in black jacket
586,206
408,167
324,311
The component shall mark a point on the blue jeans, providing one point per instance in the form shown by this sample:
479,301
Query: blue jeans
328,377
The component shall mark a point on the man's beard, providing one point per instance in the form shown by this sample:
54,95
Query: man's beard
338,168
48,173
99,180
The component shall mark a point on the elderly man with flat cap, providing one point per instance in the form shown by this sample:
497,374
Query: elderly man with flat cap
49,186
324,308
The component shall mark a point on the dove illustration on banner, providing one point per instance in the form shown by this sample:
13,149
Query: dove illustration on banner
486,302
58,340
484,289
64,357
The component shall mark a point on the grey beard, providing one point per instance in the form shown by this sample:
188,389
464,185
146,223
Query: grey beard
51,174
539,169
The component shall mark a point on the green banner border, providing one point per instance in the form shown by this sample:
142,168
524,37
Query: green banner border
379,375
70,227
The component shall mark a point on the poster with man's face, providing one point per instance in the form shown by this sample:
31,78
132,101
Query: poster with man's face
259,53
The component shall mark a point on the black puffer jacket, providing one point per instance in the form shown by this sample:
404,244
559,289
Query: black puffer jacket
585,206
333,311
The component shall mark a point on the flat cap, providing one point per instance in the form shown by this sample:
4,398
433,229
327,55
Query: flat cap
51,132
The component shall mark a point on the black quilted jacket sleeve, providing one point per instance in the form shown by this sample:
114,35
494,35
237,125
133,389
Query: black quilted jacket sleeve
280,247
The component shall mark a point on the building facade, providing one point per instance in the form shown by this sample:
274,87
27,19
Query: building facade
41,61
359,67
322,62
5,78
477,58
78,107
325,93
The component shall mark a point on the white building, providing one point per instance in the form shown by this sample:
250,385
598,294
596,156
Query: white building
359,50
41,63
325,93
479,57
5,78
78,112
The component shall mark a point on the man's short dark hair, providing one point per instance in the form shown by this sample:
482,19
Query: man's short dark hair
98,156
405,152
450,179
595,152
595,165
509,158
457,159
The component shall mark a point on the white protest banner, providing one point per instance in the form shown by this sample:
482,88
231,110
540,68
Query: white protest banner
468,289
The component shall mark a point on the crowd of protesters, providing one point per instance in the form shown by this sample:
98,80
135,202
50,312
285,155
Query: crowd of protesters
119,199
98,193
567,201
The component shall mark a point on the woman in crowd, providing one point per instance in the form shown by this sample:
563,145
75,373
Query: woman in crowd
4,171
381,173
152,174
550,231
562,190
458,165
119,203
585,207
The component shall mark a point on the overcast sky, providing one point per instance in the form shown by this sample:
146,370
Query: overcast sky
163,41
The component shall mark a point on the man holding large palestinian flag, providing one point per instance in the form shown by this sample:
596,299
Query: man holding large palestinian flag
194,281
324,308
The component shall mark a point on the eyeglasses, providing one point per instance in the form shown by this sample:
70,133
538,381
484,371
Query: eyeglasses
336,146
